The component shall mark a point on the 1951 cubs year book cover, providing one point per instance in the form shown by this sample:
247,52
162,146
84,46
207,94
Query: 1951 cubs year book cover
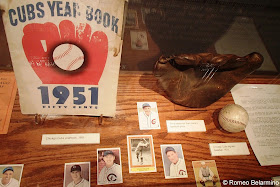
65,54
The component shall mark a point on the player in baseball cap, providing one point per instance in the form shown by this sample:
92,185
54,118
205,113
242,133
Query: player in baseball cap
177,167
171,154
7,177
146,105
108,152
76,168
148,119
206,174
8,169
139,150
111,172
169,149
77,178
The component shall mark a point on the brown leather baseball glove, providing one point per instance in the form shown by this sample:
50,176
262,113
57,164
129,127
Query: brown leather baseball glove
198,80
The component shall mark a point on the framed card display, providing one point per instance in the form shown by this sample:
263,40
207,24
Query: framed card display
65,54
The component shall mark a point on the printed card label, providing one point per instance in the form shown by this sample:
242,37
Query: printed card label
229,149
66,139
185,126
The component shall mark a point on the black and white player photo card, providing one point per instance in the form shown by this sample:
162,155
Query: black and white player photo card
11,175
173,161
109,166
141,155
77,174
148,115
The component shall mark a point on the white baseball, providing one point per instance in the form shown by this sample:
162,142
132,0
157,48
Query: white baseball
233,118
68,57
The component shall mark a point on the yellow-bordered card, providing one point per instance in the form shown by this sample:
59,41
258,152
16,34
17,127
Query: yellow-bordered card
141,155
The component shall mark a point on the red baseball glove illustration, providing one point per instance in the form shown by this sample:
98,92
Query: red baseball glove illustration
40,40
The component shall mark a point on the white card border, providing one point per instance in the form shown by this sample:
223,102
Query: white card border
103,149
13,165
75,163
171,145
149,102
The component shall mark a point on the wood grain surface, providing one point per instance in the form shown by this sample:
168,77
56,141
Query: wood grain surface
44,165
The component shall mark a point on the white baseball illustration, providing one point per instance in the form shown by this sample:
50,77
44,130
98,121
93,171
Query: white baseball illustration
68,57
233,118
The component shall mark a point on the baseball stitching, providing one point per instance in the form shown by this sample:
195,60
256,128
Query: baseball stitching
74,62
232,120
63,54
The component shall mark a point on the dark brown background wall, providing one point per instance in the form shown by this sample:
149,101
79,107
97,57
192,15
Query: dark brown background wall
186,26
5,60
193,26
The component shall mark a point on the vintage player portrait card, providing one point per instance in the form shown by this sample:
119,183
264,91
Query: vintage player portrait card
77,174
173,161
131,19
206,173
141,155
139,40
148,115
10,174
109,166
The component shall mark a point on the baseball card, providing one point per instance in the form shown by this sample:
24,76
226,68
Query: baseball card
65,54
148,115
139,40
109,166
77,174
173,161
131,20
206,173
141,155
11,174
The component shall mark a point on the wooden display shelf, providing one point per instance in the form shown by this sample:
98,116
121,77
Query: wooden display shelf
44,165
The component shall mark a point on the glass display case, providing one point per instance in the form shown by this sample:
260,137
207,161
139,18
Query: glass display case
177,32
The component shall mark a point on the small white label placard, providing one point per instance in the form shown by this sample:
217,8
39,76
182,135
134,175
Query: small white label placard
229,149
185,126
66,139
